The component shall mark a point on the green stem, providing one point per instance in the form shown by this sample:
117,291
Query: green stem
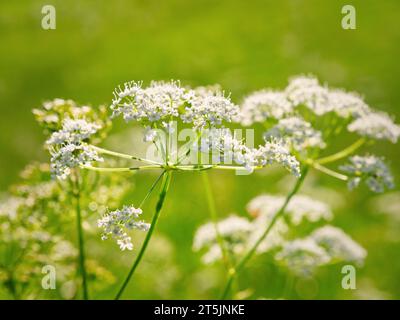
101,169
81,241
160,203
122,155
343,153
330,172
214,218
239,267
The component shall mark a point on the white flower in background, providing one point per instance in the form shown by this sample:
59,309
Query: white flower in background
300,208
376,125
9,207
73,131
233,230
302,256
71,156
115,223
275,238
298,133
347,104
370,169
306,90
263,105
339,245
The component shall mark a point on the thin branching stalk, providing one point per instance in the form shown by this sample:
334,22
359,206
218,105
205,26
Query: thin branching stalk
329,172
122,155
160,203
240,265
81,240
343,153
214,219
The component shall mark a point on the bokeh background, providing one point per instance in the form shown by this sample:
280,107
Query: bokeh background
242,45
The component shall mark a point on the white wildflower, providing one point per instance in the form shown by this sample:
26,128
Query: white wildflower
233,230
298,133
372,170
263,105
73,131
210,110
164,101
115,222
275,238
302,256
222,142
376,125
347,104
339,245
306,90
70,156
299,209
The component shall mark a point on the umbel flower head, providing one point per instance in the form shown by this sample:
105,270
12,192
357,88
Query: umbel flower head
117,222
68,147
270,106
167,101
370,169
302,255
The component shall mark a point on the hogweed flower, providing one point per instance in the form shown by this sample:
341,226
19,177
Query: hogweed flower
68,148
166,101
376,125
233,230
116,222
339,245
298,133
300,209
263,105
370,169
302,256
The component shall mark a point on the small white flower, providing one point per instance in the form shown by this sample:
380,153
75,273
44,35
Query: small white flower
376,125
302,256
233,230
149,134
73,131
306,90
300,208
70,156
263,105
115,222
372,170
339,245
298,133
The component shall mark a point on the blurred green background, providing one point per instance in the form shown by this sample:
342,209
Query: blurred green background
242,45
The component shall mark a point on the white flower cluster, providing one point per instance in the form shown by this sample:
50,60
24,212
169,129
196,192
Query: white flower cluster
298,133
339,245
263,105
233,230
372,169
302,256
68,148
325,245
115,222
308,92
301,208
164,101
376,125
222,142
71,156
73,131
